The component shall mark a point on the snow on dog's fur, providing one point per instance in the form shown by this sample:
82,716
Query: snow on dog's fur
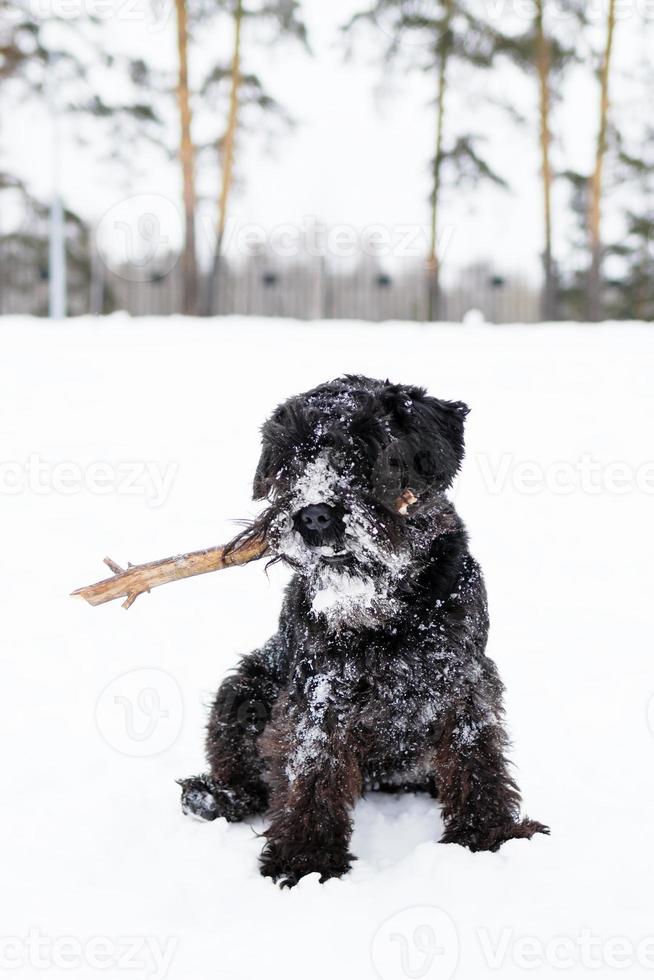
377,675
361,592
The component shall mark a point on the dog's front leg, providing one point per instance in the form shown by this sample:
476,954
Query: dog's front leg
481,801
315,777
234,787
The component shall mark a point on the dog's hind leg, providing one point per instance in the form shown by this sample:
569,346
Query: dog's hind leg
481,801
234,787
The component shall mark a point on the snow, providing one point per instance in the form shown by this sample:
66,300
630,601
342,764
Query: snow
342,598
100,710
338,589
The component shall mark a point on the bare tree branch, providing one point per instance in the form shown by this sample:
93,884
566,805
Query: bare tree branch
136,579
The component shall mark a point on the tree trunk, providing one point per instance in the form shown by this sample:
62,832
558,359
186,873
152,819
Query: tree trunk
549,306
594,286
433,261
228,157
187,158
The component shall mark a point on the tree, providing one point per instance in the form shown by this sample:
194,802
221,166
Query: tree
228,148
57,63
572,281
630,291
544,67
539,52
67,61
622,174
24,249
594,285
244,89
24,54
187,160
452,33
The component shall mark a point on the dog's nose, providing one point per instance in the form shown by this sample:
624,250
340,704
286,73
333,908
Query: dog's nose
316,517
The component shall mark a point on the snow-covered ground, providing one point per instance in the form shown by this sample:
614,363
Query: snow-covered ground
100,710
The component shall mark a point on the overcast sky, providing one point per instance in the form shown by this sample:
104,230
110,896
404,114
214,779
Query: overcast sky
360,152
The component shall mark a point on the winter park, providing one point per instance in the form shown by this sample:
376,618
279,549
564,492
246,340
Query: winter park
327,353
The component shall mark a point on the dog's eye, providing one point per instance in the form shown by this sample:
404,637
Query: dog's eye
425,464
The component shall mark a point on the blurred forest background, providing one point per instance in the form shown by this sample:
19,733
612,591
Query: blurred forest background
159,120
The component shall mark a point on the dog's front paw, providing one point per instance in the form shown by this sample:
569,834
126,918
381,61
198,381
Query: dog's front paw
203,798
287,863
489,838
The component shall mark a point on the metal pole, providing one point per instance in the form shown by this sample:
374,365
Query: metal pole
57,261
96,290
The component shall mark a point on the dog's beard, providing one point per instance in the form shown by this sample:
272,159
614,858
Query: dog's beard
352,580
354,600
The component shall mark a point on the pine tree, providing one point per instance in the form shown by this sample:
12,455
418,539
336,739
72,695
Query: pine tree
540,52
594,285
42,58
572,282
452,32
24,245
630,292
283,16
622,178
187,161
59,63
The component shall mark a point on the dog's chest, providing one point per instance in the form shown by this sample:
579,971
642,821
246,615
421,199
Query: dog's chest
376,688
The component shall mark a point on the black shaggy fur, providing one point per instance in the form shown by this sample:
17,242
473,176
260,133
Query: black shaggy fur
377,677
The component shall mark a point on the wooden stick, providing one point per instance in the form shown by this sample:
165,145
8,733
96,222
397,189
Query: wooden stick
136,579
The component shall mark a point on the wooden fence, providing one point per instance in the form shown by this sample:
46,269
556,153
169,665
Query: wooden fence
311,289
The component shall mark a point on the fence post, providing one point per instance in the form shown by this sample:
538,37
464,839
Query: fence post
316,310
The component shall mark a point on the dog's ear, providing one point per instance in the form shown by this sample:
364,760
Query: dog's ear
430,440
438,436
262,477
451,418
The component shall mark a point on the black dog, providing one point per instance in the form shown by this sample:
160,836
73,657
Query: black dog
377,677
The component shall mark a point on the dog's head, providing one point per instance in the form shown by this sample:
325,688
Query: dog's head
351,469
